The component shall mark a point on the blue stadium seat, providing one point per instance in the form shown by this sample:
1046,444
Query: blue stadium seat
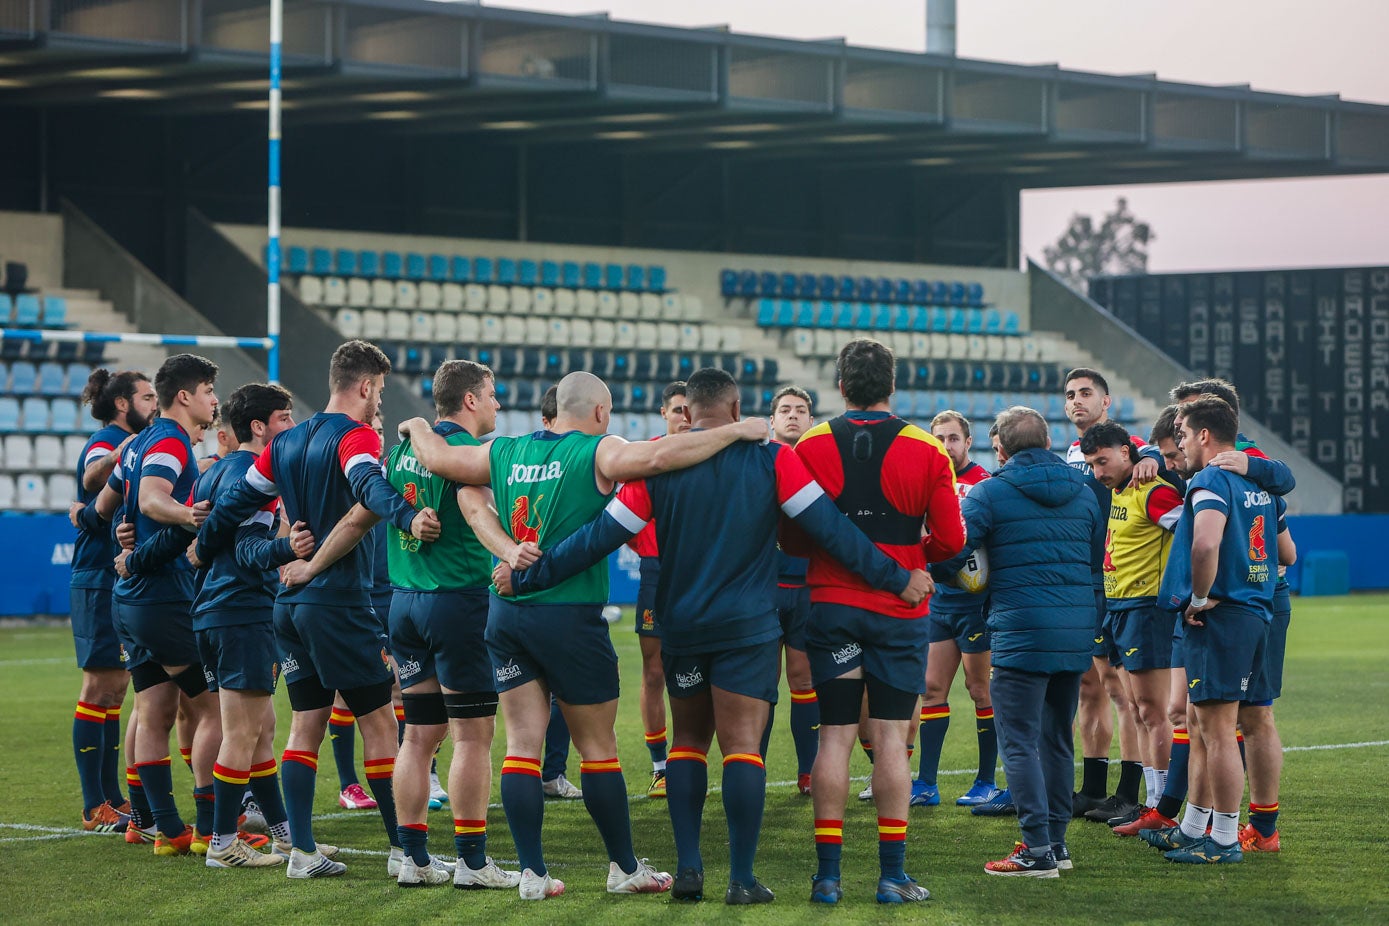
1125,410
747,283
527,273
532,363
656,278
974,294
570,274
921,292
825,287
974,321
1011,325
298,260
785,313
921,319
790,287
883,290
866,289
882,317
940,320
902,291
644,365
667,367
23,378
368,264
549,273
805,314
1055,408
345,263
901,319
636,278
554,365
957,321
766,313
771,370
482,270
824,315
768,285
37,414
863,314
27,312
39,350
728,283
322,261
686,366
55,312
460,269
993,321
593,276
52,379
957,294
845,288
622,365
843,315
807,286
438,268
391,265
506,271
9,415
940,293
12,348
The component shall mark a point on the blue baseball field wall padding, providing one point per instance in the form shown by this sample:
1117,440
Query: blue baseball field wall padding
36,556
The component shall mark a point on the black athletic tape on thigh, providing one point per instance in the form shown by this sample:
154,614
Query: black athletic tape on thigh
470,705
425,709
364,700
308,694
841,701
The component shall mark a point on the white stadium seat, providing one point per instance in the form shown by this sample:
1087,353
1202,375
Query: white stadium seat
445,327
513,330
348,322
334,291
586,303
491,332
566,303
710,337
382,294
691,308
407,295
667,336
672,307
32,492
825,343
537,331
1012,348
650,305
310,290
543,301
628,305
431,296
625,335
7,491
921,345
560,333
581,332
451,297
358,292
646,335
398,325
607,305
474,298
803,342
373,324
422,326
498,299
900,342
604,333
974,347
72,448
689,337
48,452
19,452
62,491
520,299
469,329
993,346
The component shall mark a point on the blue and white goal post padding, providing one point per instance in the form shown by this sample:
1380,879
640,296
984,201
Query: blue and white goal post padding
134,337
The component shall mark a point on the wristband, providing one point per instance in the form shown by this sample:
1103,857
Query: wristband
1199,602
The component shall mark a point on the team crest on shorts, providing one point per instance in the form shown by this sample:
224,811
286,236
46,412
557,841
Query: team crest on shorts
125,657
648,620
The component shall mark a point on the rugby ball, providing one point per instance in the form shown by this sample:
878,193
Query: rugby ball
612,614
973,576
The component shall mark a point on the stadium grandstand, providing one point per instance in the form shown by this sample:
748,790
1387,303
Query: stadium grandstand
549,193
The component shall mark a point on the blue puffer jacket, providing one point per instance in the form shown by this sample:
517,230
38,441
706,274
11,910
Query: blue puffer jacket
1042,528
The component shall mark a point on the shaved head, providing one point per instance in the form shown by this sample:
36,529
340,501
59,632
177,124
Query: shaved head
583,398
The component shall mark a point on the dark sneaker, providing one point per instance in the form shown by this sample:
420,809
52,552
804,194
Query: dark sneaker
1112,806
891,890
689,884
1063,856
1082,803
740,894
826,890
1207,852
1001,805
1124,819
1023,864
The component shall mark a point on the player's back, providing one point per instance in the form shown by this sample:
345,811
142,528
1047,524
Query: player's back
716,528
1248,565
308,466
92,553
161,450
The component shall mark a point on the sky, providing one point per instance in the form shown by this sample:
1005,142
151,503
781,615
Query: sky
1321,47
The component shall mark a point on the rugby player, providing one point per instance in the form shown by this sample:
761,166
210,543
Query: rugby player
792,416
547,484
896,483
958,634
653,680
327,634
124,403
1139,634
719,627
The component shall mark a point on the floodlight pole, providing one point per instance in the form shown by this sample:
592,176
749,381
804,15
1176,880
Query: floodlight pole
272,296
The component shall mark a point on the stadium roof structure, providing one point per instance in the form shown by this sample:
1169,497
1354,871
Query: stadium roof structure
417,67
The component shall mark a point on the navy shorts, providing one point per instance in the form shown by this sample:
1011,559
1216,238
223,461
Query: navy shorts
1102,646
439,635
160,632
1224,656
968,629
93,633
646,597
122,640
1270,686
340,645
240,657
892,650
566,647
751,671
1140,638
793,608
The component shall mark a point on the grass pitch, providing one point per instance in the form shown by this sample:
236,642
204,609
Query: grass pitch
1334,721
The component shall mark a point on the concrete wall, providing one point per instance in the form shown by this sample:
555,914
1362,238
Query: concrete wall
35,239
1056,307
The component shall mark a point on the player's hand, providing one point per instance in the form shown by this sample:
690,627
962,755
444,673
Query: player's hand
1144,471
197,514
501,578
918,588
121,570
425,525
192,556
523,555
299,572
406,426
125,443
1234,461
73,511
1193,614
125,535
759,429
301,540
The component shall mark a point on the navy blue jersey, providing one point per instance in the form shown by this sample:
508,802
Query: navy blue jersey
381,588
790,570
239,585
320,468
94,551
163,450
717,521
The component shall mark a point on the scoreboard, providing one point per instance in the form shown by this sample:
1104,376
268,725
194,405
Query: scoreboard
1308,350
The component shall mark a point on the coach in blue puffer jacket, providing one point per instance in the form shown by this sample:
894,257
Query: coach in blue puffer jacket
1041,528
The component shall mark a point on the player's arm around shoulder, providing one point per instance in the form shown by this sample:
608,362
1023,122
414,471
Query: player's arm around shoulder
618,460
464,464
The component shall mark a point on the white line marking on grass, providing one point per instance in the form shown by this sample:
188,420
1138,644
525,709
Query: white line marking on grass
1336,746
51,661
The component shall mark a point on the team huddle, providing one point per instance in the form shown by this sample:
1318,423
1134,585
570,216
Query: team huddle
866,556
